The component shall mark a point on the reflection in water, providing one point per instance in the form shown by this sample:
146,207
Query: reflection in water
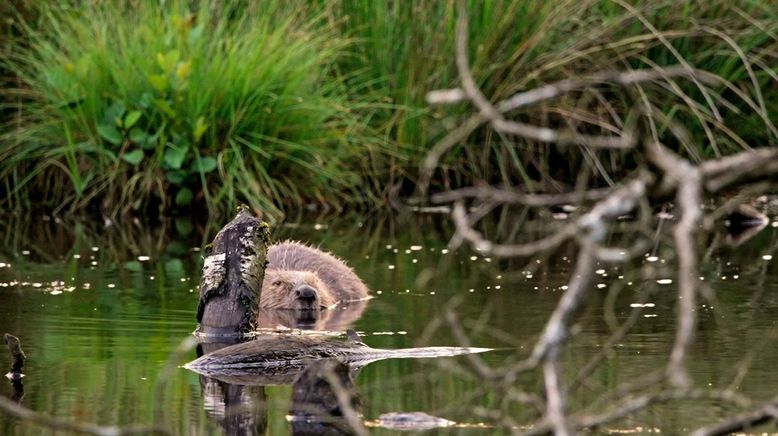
238,409
18,390
744,223
321,394
325,400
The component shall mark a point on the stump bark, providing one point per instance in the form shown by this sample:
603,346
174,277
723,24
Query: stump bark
232,277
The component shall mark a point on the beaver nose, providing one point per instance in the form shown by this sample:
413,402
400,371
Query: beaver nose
305,293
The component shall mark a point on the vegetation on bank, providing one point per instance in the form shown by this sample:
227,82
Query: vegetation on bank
287,104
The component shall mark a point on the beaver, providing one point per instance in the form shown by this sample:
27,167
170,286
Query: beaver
301,277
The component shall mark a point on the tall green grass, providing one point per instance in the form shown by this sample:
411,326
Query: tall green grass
286,104
145,105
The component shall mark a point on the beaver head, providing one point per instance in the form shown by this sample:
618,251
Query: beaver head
301,290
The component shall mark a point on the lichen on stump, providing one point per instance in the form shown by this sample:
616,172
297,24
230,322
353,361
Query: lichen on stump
233,272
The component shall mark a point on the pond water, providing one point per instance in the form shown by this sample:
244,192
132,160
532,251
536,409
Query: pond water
101,311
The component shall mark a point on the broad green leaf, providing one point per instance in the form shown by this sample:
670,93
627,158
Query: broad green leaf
110,133
199,129
165,107
131,118
145,100
184,226
184,197
115,111
205,164
158,81
195,33
134,157
174,156
137,135
176,177
183,69
153,139
168,61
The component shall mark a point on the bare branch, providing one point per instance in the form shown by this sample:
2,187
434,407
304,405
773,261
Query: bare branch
620,201
483,371
753,163
528,131
745,421
514,196
555,398
623,78
689,200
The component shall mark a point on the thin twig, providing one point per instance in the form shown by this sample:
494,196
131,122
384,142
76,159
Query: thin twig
513,196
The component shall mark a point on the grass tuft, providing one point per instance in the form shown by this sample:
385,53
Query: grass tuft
171,107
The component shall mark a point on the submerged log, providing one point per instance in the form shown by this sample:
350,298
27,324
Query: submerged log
232,277
285,356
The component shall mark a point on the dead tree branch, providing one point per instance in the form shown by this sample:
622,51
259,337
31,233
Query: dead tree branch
745,421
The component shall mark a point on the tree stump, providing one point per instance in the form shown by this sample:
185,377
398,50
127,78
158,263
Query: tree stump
232,277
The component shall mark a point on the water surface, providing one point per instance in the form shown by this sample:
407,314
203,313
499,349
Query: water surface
100,312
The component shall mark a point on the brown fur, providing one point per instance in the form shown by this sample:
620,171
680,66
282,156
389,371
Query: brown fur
293,266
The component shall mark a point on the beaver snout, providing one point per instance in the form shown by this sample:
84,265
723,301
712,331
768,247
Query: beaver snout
306,295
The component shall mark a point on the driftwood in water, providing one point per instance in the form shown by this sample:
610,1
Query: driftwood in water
285,356
237,409
232,277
